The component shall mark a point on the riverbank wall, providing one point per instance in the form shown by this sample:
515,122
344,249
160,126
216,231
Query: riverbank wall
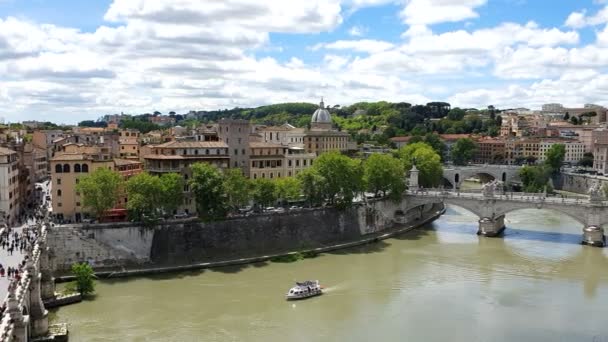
189,242
580,183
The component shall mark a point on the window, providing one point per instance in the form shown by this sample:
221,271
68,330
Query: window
243,151
236,151
66,168
58,168
59,181
78,204
77,181
85,168
59,193
59,204
76,167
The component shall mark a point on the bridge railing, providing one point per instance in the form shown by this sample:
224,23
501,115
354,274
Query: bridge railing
18,290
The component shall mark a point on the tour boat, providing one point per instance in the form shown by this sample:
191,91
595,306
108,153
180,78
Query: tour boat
305,289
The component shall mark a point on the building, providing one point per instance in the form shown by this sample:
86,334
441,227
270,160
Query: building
162,120
10,203
128,144
321,137
574,150
66,170
286,135
235,134
490,151
598,113
178,156
267,160
600,151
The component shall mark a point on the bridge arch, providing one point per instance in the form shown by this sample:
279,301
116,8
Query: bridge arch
573,216
454,176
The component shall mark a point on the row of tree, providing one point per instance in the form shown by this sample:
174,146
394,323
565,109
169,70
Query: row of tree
334,179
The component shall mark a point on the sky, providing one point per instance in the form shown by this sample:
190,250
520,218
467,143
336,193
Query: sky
67,60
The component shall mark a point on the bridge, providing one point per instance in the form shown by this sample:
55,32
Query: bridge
491,209
492,204
455,175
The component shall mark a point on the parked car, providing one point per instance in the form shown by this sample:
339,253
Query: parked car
269,209
181,215
279,210
295,207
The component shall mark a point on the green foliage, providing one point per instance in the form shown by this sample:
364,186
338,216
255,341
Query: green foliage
426,160
312,185
555,157
152,196
535,178
456,114
288,189
100,190
265,192
141,125
207,185
239,189
574,120
587,160
91,123
384,173
342,177
463,150
85,278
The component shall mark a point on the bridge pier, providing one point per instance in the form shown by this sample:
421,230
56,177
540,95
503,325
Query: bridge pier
594,236
491,227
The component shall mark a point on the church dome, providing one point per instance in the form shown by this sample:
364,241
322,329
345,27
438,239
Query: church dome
321,115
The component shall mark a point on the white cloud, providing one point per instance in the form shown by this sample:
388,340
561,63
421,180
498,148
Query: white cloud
361,45
428,12
357,31
581,19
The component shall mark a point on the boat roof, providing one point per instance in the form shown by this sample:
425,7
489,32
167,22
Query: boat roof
307,283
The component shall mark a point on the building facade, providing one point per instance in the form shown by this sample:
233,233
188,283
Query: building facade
10,203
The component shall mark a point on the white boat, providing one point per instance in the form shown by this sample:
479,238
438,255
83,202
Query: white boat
305,289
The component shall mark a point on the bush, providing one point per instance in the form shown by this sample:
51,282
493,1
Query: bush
85,278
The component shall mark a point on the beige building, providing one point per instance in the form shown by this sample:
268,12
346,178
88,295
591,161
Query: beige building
10,203
600,152
235,134
321,137
286,135
178,156
267,160
574,150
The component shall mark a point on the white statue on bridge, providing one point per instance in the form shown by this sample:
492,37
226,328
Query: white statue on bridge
488,189
595,191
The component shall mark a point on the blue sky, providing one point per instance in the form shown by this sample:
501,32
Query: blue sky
71,60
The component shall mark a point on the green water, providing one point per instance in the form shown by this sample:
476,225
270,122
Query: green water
438,283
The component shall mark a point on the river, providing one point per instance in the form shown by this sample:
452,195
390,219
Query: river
440,282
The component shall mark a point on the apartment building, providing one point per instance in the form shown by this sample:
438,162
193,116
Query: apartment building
285,134
574,150
490,151
10,203
267,160
600,151
235,134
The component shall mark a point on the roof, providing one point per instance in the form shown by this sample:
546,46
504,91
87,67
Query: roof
68,156
315,133
182,157
6,151
123,162
265,145
193,144
401,139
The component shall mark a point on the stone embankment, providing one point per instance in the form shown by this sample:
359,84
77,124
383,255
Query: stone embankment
127,249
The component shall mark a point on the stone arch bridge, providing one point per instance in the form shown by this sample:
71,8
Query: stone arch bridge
492,208
507,174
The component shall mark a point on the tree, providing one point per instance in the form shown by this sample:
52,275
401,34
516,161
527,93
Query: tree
426,160
288,189
566,116
554,157
384,173
238,188
574,120
100,190
463,150
151,197
342,177
84,281
436,143
456,114
172,190
587,160
264,192
208,188
312,185
145,196
535,178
